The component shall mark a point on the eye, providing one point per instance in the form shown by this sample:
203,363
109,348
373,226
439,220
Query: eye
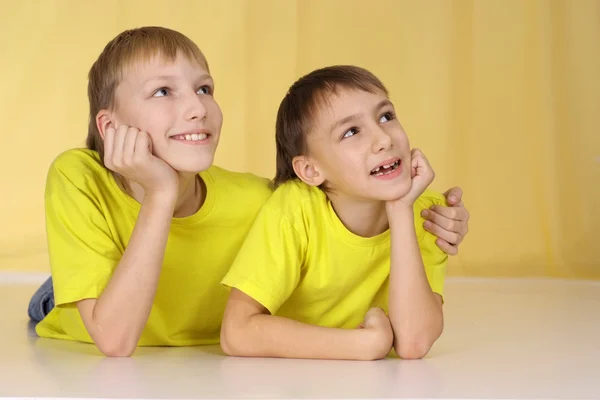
161,92
350,132
388,116
205,90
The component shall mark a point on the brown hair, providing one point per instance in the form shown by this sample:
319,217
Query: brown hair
301,104
123,52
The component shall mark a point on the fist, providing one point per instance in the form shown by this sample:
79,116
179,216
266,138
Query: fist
421,177
380,336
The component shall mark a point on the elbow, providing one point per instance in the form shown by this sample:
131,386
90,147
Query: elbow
412,350
233,340
116,347
415,346
226,342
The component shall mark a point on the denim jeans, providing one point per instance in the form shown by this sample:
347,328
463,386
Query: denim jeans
42,301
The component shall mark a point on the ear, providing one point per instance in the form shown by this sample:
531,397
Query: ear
104,121
307,171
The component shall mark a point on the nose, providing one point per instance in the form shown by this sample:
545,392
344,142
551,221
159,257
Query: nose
194,108
381,139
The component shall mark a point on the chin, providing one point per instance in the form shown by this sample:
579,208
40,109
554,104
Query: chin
396,192
195,165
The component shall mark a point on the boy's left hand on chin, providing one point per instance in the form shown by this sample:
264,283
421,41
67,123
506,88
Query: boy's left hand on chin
450,224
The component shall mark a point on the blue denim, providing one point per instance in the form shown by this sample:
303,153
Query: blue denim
42,302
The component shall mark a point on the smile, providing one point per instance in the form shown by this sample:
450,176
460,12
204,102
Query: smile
385,169
191,137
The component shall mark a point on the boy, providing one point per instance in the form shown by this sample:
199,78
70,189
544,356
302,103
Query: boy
141,227
340,243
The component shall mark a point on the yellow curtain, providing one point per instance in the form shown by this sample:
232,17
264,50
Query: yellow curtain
501,95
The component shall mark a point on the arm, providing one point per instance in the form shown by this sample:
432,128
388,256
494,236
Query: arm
263,276
116,319
249,330
415,310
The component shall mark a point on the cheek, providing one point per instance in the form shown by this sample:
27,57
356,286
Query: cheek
346,167
144,117
155,122
402,141
214,111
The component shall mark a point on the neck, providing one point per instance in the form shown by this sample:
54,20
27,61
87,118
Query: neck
361,217
191,196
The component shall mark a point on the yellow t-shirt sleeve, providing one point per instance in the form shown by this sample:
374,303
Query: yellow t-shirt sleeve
268,265
82,252
435,260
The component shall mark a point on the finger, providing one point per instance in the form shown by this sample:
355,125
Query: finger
454,195
129,145
374,311
372,316
457,213
447,247
449,224
109,139
414,162
143,146
420,163
117,156
450,236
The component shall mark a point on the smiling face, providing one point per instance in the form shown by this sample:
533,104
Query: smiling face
173,102
357,147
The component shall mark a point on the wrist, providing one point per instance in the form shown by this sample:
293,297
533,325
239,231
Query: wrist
163,199
399,211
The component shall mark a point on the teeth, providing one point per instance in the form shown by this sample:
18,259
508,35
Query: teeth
192,137
387,167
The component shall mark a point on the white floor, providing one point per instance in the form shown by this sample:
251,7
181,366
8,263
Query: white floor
504,339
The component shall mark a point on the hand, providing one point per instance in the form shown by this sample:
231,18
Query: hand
421,177
128,152
381,335
449,224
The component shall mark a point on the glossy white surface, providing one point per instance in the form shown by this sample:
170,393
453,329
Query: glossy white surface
504,339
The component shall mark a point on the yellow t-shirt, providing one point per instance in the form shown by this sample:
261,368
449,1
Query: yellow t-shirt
300,262
89,221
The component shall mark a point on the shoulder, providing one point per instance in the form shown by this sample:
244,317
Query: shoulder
427,199
296,205
426,239
296,197
75,158
81,167
237,183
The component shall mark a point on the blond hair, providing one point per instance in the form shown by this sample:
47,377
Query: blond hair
123,52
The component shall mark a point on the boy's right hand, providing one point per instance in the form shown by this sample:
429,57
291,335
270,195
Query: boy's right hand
128,152
381,335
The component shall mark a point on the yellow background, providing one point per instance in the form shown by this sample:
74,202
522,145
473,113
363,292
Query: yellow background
503,96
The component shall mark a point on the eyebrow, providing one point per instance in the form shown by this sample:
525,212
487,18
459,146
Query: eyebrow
350,118
170,77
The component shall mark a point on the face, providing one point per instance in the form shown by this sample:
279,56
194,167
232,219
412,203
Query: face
173,102
359,147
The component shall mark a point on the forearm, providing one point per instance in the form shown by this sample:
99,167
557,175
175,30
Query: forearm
264,335
121,312
415,311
